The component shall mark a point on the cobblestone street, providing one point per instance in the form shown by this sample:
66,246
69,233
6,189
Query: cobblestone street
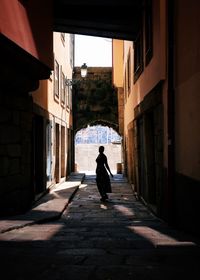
116,240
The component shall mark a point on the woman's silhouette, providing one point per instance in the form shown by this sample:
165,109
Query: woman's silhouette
102,176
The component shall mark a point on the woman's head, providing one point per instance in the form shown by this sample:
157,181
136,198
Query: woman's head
101,149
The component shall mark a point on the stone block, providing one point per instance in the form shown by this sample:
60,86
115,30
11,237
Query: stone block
16,118
3,150
5,115
9,134
4,166
14,166
14,150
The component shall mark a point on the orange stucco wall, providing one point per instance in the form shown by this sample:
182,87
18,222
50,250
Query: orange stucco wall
40,96
117,51
29,25
187,88
156,69
154,72
132,99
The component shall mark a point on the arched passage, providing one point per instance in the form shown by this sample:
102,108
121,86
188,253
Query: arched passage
87,142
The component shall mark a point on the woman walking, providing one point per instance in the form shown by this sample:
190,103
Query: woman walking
102,176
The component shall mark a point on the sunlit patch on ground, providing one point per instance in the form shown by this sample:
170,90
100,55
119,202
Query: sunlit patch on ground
103,206
82,186
157,238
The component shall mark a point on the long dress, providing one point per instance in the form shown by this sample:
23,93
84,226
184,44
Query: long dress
102,176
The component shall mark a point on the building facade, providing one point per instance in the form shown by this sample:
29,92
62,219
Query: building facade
33,113
157,77
52,119
26,51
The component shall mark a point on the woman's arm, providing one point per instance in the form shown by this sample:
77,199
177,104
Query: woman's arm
107,166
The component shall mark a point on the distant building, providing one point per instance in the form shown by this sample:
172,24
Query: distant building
97,134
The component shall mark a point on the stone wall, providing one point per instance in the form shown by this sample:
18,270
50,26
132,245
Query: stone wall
15,152
95,99
86,154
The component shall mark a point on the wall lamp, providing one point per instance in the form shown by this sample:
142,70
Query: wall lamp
70,82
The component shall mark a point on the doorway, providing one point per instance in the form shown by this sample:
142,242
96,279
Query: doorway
57,162
38,155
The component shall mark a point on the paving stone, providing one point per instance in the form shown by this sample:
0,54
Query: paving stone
116,240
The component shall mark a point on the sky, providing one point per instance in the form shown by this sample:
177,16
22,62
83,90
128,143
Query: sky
94,51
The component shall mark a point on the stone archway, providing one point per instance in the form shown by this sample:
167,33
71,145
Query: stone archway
95,99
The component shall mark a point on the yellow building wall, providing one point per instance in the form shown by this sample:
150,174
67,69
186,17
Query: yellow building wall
117,51
44,96
54,111
62,55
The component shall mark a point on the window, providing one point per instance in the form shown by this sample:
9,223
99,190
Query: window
125,85
148,31
144,51
49,150
71,50
67,95
63,89
56,80
70,96
129,73
138,56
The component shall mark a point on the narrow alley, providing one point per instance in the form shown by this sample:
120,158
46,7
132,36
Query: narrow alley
116,240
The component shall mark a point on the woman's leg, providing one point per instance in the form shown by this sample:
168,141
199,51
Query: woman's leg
101,189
